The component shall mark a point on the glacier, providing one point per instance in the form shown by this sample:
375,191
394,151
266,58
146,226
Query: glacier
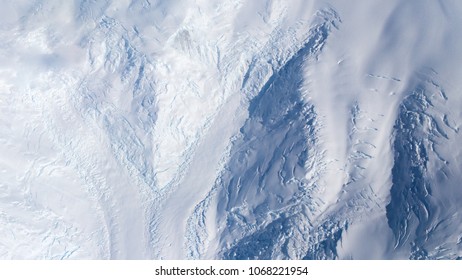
238,129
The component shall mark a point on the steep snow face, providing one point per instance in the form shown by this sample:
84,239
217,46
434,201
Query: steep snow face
230,129
419,212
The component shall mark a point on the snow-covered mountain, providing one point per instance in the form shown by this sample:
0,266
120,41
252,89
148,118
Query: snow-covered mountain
238,129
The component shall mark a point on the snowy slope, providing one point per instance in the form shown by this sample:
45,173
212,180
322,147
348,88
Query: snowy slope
230,129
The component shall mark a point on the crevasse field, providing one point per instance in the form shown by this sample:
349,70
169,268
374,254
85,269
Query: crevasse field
238,129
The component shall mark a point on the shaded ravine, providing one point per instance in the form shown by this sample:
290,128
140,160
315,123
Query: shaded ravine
267,204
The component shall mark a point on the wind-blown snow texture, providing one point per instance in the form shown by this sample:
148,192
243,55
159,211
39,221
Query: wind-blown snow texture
233,129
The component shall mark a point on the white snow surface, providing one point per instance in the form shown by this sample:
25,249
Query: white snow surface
238,129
